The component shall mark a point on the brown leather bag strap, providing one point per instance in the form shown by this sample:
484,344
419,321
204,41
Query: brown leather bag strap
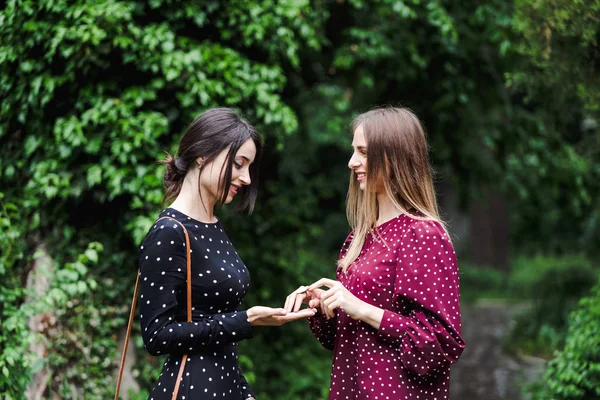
132,313
129,324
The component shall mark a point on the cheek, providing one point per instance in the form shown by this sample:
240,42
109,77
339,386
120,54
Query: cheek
210,179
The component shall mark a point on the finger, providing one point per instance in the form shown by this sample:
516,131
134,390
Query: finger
328,301
325,310
299,300
333,305
270,312
289,302
330,309
307,312
316,294
329,293
315,304
302,289
322,282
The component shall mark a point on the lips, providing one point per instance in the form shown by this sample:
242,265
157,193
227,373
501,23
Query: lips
233,189
360,176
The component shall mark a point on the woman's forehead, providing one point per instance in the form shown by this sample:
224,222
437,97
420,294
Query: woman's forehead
247,150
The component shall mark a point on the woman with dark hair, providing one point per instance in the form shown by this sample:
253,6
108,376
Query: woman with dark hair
392,316
215,162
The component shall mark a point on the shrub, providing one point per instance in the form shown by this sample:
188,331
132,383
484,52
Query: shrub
574,373
554,293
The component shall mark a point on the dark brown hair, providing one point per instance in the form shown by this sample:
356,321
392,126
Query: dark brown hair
207,136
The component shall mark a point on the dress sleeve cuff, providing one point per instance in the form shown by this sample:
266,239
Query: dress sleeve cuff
392,327
246,330
318,317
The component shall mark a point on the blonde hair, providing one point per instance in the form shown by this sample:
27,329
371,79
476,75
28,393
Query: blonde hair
398,160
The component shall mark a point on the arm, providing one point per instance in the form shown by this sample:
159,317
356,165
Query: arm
427,331
246,389
163,296
323,329
424,323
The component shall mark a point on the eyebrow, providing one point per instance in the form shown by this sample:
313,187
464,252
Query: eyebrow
244,157
360,147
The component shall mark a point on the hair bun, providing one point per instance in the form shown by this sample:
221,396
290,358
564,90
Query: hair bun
175,171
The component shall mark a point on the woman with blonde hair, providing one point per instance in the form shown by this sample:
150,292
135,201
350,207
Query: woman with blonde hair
392,316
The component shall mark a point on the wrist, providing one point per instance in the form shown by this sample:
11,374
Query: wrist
250,315
371,315
363,311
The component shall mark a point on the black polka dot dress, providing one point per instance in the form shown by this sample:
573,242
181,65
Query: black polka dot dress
219,283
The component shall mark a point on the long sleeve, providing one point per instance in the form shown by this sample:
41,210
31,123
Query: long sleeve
163,298
245,386
425,324
323,329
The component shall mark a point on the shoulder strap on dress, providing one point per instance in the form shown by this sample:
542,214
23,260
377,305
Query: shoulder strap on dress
132,313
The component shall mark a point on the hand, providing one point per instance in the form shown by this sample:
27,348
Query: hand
267,316
337,297
302,296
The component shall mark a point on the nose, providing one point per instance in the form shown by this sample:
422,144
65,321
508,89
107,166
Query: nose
353,163
245,179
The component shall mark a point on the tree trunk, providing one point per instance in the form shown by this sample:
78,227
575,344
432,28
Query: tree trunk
489,230
38,282
128,382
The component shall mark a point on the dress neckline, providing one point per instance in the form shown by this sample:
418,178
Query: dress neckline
184,216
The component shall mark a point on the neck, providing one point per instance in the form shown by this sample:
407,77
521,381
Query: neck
188,201
387,209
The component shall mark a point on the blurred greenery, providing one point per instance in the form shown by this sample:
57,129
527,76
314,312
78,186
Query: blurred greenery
547,288
93,94
554,291
574,373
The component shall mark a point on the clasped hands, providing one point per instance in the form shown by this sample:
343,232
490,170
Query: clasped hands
336,296
325,300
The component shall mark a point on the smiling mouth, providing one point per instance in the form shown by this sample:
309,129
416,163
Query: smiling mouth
233,189
360,176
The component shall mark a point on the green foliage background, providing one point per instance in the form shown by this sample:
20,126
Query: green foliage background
93,94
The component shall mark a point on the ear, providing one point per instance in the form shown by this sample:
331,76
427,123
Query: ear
200,162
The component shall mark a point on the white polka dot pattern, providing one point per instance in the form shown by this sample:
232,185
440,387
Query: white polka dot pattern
412,274
219,282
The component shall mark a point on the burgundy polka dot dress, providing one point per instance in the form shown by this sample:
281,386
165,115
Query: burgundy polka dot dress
411,273
219,283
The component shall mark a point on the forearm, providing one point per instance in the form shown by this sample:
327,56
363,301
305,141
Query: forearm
371,315
323,329
425,342
246,389
184,337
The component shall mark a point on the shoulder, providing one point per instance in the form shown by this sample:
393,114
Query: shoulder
164,232
425,230
346,244
427,241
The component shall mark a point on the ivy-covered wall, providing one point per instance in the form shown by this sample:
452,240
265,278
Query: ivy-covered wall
93,94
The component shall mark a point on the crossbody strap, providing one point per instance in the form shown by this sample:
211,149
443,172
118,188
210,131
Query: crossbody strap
132,313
